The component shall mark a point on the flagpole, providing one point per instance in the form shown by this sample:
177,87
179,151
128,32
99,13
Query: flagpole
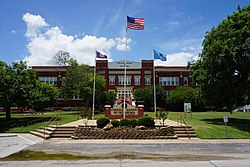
154,84
125,71
93,107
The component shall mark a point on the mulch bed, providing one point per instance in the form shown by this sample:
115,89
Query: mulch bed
123,133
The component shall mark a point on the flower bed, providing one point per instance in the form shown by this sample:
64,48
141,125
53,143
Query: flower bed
123,133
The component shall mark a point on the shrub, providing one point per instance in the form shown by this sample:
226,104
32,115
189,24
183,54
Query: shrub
133,122
71,108
146,121
85,114
124,122
101,122
115,123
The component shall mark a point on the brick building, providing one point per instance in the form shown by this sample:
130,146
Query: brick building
138,75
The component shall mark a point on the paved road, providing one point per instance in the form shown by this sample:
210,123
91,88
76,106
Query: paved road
176,150
194,152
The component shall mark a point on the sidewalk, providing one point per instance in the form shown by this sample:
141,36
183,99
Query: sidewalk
80,123
11,143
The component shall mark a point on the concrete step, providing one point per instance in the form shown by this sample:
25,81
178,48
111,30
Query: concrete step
47,132
63,131
182,127
55,131
184,132
41,135
50,128
63,128
186,135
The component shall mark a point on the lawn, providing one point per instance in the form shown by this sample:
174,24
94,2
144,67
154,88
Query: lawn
210,125
207,125
25,122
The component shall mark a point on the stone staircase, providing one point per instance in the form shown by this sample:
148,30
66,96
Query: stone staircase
184,131
59,131
54,131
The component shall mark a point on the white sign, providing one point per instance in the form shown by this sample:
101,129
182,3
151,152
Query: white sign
225,118
187,107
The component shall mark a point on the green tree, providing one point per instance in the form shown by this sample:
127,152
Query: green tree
44,95
6,89
24,84
62,58
223,71
110,97
146,97
16,85
182,95
79,80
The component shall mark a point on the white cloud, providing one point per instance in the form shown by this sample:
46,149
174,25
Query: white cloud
181,51
176,59
46,41
34,23
13,31
121,44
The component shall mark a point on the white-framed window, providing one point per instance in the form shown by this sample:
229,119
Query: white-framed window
185,81
137,80
121,80
122,94
75,97
51,80
148,80
169,81
111,80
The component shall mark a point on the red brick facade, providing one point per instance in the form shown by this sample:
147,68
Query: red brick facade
140,75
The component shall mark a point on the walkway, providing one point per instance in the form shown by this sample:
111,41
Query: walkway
11,143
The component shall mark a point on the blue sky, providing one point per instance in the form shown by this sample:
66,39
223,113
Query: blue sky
35,30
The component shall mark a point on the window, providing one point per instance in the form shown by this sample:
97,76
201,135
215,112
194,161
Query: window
121,93
128,80
137,80
147,80
185,80
169,81
75,97
111,80
51,80
121,80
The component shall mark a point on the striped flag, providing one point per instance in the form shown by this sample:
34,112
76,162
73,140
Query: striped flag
135,23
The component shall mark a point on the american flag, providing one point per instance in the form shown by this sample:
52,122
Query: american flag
135,23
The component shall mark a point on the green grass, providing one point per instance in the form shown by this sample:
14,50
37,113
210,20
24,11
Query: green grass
210,125
27,155
25,122
207,125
